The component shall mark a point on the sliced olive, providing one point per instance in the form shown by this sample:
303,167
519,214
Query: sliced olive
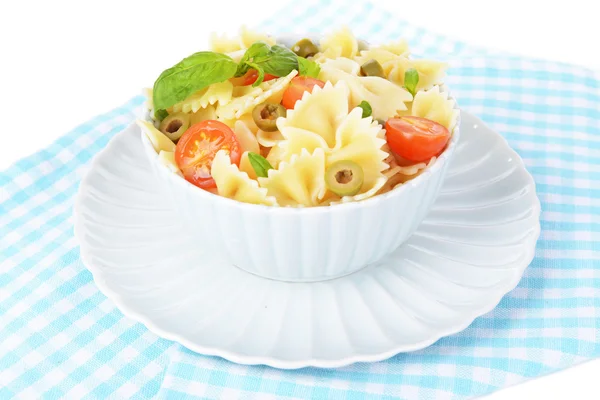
305,48
175,125
372,68
265,115
344,178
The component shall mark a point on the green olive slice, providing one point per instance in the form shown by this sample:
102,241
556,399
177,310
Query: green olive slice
372,68
305,48
265,116
344,178
175,125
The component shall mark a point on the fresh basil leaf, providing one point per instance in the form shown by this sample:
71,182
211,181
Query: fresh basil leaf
261,74
161,114
366,107
255,52
190,75
274,60
411,80
308,67
282,61
260,164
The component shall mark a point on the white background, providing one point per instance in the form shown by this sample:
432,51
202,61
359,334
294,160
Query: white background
62,62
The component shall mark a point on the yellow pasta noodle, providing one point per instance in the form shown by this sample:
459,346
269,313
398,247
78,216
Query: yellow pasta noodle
318,112
340,43
203,114
237,185
385,97
430,72
436,106
159,140
167,158
224,44
358,140
301,182
246,137
268,139
244,104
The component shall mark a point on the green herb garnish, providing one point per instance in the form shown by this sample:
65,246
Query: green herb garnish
260,164
275,60
366,107
190,75
308,68
411,80
161,114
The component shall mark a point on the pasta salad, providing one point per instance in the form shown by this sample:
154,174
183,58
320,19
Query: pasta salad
312,124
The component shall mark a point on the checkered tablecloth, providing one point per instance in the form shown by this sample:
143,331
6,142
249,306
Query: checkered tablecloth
61,338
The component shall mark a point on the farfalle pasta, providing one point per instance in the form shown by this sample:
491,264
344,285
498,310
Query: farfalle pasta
385,97
311,125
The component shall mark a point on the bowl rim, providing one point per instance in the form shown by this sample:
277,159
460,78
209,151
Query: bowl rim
372,201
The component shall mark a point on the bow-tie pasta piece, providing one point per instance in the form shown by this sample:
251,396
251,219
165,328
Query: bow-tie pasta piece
269,139
203,114
340,43
224,44
276,154
385,97
148,102
246,137
430,72
246,166
249,37
158,139
398,175
361,140
319,112
399,47
244,104
167,158
235,184
220,93
385,52
296,140
240,91
342,64
382,56
301,182
436,106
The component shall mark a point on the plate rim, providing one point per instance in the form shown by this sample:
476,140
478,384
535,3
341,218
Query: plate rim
242,359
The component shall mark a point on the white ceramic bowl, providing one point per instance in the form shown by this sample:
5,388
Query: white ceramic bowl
304,244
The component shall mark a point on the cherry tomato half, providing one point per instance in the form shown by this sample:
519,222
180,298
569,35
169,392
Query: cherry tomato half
298,86
252,75
198,146
416,139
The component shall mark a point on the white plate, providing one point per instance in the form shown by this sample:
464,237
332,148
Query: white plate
469,252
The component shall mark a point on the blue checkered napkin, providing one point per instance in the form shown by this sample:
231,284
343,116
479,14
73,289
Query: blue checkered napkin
61,338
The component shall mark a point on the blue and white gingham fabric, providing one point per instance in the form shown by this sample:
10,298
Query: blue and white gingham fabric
61,338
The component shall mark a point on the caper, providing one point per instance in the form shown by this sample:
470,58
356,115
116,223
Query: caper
305,48
344,178
372,68
265,116
175,125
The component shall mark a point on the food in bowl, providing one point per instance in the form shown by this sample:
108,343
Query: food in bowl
316,123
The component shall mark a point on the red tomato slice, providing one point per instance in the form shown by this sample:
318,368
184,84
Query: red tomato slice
252,75
298,86
416,139
198,146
